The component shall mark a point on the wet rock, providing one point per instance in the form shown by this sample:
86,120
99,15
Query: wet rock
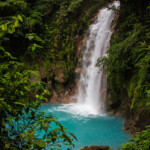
80,46
54,98
59,76
129,126
41,75
95,148
78,70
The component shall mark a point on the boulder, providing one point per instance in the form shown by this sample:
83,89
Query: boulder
93,147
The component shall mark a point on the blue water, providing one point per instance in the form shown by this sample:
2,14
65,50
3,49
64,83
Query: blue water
104,130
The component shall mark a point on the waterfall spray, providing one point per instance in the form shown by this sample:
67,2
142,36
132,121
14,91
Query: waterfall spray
91,80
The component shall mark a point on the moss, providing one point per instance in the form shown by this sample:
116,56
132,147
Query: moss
129,58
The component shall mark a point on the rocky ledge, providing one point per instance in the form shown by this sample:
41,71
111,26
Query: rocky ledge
95,148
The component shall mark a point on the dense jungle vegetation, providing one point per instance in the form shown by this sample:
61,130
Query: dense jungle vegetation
35,33
129,61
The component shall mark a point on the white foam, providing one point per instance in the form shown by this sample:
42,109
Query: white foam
77,110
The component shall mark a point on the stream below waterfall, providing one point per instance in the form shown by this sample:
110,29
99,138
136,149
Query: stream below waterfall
98,129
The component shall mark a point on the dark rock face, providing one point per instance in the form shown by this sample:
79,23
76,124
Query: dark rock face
129,126
95,148
135,120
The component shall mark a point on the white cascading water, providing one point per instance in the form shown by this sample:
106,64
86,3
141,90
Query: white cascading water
92,82
91,88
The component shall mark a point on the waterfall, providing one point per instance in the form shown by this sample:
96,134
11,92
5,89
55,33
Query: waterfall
91,84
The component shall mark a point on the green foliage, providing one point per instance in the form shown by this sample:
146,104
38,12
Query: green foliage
21,121
140,142
25,131
13,5
74,5
33,31
102,63
9,26
128,61
57,22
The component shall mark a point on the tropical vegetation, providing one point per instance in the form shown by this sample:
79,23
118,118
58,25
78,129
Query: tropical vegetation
35,33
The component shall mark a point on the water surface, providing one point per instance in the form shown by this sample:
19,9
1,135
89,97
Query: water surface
95,129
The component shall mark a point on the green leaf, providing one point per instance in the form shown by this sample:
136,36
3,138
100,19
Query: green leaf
37,96
33,47
21,92
2,48
4,27
10,31
31,36
20,18
67,138
73,136
45,127
41,143
19,103
1,99
16,23
47,92
37,38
